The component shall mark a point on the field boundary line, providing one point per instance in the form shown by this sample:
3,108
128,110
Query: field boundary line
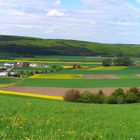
32,95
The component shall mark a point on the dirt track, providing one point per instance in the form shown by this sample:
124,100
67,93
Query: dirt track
55,91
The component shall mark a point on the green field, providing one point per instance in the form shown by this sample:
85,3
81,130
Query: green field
129,70
29,69
36,119
80,83
7,80
125,78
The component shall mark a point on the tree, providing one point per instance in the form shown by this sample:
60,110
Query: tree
117,97
107,62
123,61
72,95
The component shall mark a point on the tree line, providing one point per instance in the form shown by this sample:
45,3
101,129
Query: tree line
118,61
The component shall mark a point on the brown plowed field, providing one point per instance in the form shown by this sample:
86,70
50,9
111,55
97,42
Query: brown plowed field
55,91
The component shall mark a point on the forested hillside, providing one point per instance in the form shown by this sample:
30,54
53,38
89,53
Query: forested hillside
38,46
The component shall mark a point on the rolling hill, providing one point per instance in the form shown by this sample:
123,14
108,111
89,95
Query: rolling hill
37,46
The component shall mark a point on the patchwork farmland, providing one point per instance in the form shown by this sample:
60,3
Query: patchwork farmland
60,75
37,91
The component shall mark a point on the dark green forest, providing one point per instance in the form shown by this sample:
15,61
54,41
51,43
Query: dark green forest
37,46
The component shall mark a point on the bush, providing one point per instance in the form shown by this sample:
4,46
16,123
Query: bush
117,97
72,95
107,62
136,91
131,97
86,97
100,97
123,61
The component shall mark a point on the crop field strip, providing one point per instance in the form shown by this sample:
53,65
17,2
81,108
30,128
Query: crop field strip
80,83
31,95
109,68
85,76
49,62
57,76
128,70
8,80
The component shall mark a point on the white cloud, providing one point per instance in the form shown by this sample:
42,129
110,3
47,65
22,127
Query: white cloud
50,29
57,2
88,1
126,23
21,14
55,13
93,23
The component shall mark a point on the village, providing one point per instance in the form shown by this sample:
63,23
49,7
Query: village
8,69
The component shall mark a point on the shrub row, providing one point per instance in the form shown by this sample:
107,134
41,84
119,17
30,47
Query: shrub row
117,97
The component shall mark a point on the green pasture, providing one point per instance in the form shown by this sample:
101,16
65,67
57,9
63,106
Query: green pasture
29,69
129,70
8,80
80,83
37,119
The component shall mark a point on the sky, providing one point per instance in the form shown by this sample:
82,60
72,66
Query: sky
104,21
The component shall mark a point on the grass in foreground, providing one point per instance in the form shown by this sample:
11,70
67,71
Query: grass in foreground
35,119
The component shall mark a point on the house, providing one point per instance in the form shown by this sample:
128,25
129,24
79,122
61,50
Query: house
3,68
37,65
46,66
9,64
22,64
14,74
3,73
34,65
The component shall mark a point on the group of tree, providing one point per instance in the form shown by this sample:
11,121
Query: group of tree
118,61
119,96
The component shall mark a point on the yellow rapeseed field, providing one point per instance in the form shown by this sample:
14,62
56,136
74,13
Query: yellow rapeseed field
31,95
58,76
109,68
67,67
49,62
70,67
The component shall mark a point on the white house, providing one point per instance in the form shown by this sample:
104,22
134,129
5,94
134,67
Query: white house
9,64
33,65
3,73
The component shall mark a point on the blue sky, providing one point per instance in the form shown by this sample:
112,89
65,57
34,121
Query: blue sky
105,21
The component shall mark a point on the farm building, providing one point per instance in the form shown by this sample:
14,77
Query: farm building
14,74
3,68
9,64
22,64
3,73
34,65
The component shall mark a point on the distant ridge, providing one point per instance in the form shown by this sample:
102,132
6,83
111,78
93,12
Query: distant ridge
37,46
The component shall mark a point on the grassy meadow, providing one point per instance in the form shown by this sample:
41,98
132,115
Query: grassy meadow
27,118
79,83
